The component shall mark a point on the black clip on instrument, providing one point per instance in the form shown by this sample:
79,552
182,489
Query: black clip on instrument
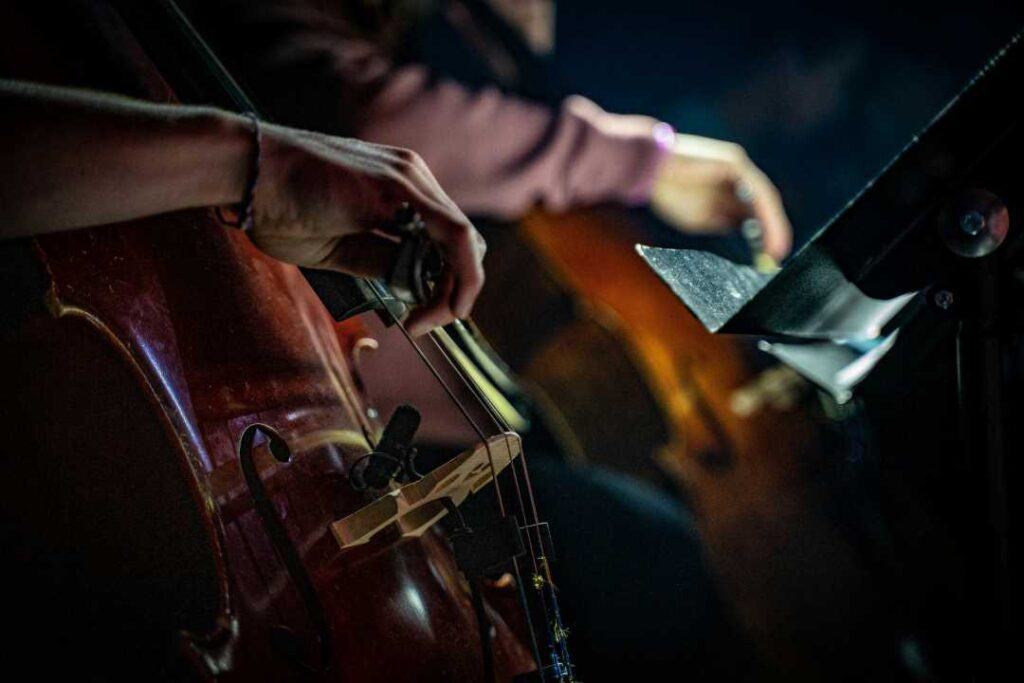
419,262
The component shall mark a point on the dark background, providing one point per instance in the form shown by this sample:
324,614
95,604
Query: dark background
821,97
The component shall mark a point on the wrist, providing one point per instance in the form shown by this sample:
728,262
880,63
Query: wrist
225,146
628,150
241,215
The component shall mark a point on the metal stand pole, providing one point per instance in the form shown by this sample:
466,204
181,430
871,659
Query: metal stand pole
976,230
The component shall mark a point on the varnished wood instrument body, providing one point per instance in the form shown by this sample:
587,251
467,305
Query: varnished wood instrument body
173,390
631,380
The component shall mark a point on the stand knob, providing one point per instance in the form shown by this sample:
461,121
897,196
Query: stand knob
974,224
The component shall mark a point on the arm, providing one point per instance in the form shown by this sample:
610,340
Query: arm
70,154
75,158
496,154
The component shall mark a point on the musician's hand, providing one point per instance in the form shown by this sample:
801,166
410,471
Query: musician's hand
711,186
321,202
77,158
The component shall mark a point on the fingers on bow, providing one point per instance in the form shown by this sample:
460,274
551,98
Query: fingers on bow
463,248
368,254
461,245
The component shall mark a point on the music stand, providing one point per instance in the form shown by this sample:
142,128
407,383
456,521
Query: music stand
932,231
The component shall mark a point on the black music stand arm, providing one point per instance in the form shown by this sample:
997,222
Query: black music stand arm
980,344
931,226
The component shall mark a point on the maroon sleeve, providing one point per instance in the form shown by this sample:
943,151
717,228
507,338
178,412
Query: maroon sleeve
494,154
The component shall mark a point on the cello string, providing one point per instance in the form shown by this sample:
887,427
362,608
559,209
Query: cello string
543,583
448,390
496,416
476,428
533,526
501,424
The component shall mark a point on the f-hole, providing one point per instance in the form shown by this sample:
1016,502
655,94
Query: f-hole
284,638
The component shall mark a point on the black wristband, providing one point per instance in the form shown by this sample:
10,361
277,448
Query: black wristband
244,213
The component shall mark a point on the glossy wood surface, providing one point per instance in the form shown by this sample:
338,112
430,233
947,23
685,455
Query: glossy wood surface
199,336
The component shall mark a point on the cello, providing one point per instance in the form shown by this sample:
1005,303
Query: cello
192,486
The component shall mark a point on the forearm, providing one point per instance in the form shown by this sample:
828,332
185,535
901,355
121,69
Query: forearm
500,155
74,158
494,153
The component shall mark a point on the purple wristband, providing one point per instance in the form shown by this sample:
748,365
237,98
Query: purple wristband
664,135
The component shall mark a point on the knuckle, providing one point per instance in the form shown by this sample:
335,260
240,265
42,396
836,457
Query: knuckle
737,155
403,167
414,158
401,153
407,160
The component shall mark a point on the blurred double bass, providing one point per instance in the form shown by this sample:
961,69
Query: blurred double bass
626,377
184,428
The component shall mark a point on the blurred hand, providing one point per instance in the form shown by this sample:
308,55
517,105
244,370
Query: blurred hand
711,186
322,201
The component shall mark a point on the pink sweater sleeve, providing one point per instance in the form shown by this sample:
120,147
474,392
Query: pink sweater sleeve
494,154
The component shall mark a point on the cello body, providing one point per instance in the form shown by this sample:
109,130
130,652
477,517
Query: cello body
180,416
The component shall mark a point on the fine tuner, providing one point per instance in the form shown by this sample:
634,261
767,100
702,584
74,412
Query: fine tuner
419,262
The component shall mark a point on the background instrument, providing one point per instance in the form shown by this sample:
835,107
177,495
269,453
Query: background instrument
627,378
916,285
